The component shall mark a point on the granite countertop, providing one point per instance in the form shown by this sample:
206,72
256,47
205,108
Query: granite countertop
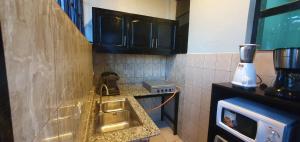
133,90
144,131
84,121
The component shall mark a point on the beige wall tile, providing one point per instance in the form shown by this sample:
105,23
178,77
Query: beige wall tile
197,80
196,95
223,61
231,75
197,77
210,61
190,60
188,93
199,61
235,59
208,78
203,126
264,63
190,122
205,99
221,76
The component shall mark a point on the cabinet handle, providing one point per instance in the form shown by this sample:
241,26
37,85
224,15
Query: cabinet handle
125,40
156,43
152,42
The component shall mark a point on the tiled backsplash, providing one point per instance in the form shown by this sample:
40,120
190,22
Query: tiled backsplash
131,68
134,69
195,73
49,67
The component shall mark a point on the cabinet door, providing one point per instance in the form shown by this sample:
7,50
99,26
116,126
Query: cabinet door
182,33
182,38
112,30
164,34
139,32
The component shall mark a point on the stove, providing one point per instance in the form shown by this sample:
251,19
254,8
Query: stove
159,87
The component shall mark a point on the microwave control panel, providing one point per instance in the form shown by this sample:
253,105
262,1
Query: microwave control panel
272,134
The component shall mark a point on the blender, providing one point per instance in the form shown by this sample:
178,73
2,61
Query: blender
245,73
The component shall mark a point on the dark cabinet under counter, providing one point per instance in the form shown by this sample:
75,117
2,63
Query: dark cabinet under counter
223,91
120,32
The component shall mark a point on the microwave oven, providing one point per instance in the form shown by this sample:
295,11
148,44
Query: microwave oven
254,122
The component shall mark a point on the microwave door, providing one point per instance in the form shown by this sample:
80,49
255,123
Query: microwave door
236,124
253,122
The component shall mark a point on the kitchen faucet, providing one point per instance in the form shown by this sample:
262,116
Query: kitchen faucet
107,93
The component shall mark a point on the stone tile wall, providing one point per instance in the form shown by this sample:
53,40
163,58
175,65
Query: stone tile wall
134,69
131,68
49,69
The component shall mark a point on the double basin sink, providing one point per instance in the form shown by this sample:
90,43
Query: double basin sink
115,115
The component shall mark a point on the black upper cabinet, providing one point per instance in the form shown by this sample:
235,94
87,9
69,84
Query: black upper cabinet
110,32
139,32
182,7
119,32
182,18
163,34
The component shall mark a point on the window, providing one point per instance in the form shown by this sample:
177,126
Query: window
74,9
276,24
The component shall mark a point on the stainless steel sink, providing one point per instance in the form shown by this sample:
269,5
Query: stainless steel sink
116,115
115,105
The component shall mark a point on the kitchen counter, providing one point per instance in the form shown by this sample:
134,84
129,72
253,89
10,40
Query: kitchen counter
85,115
144,131
136,90
133,90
